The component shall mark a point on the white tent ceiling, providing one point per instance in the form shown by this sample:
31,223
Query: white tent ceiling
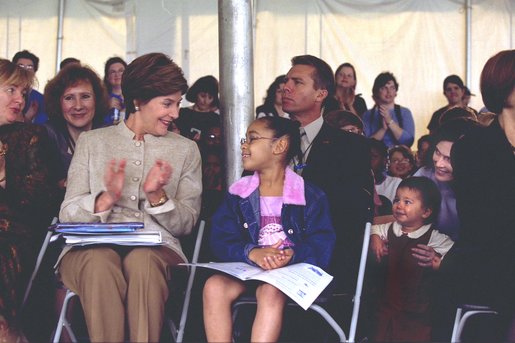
420,41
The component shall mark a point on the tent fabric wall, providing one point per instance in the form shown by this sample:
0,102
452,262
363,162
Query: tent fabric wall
420,41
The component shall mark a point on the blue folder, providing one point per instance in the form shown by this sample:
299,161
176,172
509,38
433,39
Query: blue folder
91,228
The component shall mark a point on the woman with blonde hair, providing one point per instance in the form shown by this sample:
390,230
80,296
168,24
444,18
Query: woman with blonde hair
29,196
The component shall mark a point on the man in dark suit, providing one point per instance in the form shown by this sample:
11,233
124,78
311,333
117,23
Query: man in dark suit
337,161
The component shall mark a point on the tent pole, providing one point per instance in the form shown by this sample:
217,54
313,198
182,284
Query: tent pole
468,44
59,52
236,79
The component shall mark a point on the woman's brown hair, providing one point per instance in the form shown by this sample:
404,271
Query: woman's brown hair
69,76
149,76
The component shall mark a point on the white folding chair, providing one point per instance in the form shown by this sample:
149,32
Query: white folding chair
463,314
317,305
177,333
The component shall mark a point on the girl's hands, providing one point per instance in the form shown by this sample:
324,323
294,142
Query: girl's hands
271,257
426,256
378,246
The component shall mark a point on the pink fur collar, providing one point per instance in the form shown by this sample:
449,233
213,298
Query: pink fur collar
293,189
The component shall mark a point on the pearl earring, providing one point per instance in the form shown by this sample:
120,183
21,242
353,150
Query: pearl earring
136,108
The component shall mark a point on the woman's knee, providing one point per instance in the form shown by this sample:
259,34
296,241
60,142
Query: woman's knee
144,261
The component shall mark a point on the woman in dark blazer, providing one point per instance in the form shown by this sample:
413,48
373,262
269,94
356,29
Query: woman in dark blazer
484,171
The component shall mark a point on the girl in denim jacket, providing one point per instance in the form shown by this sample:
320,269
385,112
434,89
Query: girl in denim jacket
269,219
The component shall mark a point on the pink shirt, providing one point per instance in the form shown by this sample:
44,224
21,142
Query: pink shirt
271,227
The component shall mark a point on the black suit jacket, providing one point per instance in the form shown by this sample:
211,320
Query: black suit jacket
483,257
339,163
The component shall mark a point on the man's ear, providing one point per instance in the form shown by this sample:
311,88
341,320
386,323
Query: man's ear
321,94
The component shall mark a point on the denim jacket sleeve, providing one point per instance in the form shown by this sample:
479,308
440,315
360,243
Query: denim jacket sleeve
230,238
316,242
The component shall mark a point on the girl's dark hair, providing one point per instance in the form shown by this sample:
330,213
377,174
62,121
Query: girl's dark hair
270,92
108,64
69,76
430,194
150,76
285,127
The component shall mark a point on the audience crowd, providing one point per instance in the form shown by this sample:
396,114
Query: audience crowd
122,148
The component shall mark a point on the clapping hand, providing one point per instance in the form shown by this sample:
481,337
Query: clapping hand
114,178
158,176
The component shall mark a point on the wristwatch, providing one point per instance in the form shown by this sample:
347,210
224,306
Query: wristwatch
161,200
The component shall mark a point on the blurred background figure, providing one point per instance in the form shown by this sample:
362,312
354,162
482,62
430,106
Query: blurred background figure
345,79
67,61
273,102
421,156
193,121
345,121
34,110
385,184
388,121
401,162
454,90
113,72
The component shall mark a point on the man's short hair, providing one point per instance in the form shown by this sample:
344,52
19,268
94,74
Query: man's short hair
381,80
28,55
322,77
453,79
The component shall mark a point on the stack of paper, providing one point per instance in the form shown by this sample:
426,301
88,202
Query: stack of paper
107,233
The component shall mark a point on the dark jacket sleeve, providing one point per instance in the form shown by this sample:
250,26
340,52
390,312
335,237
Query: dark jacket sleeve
318,236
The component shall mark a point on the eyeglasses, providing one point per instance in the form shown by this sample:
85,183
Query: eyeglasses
404,161
252,139
26,66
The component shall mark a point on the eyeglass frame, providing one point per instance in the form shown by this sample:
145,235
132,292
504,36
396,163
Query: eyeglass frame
403,161
26,66
249,141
